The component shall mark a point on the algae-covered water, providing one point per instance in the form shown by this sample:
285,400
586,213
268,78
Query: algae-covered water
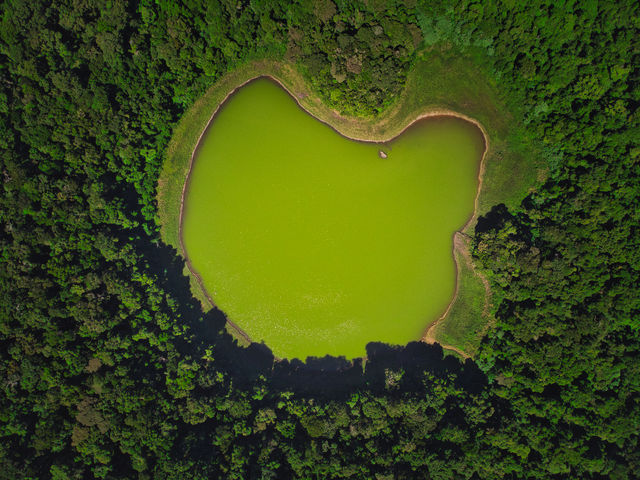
314,244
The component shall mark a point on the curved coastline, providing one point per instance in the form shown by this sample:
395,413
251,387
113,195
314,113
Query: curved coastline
457,247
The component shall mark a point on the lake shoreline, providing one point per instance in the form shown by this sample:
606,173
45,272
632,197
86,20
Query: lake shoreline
427,113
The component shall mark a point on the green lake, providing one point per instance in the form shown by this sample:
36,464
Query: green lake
314,244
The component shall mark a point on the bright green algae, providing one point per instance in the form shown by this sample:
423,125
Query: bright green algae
314,244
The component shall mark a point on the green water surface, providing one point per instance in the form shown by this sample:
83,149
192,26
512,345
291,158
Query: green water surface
314,244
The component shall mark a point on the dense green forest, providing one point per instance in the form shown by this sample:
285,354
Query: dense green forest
108,367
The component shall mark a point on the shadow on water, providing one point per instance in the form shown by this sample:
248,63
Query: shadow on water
337,377
328,377
413,361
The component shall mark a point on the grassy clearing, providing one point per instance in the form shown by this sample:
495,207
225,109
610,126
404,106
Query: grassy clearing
440,81
467,318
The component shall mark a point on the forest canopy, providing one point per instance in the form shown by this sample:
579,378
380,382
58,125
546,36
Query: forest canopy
108,367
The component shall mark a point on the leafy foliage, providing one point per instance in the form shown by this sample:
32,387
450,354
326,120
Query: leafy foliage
110,369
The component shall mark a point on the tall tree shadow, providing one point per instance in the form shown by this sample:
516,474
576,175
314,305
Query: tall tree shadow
324,377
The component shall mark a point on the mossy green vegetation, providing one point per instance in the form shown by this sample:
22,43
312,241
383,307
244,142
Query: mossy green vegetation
311,242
